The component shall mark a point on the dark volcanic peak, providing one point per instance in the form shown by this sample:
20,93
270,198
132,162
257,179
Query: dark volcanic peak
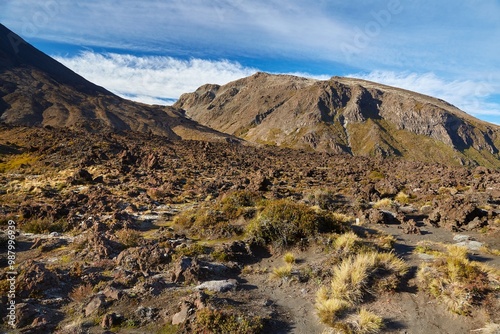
344,115
16,52
36,90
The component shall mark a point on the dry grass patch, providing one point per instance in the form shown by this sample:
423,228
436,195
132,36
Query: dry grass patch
353,279
17,162
402,198
289,258
282,272
366,322
460,284
386,203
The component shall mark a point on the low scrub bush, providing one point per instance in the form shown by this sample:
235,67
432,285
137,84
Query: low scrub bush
284,223
44,225
128,237
233,204
217,321
208,223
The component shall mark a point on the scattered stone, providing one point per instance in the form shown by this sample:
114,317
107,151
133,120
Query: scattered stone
146,314
461,238
410,227
112,293
426,257
426,209
268,302
25,314
467,241
96,304
186,271
471,245
110,320
36,278
218,286
181,316
433,219
376,216
46,245
81,177
149,258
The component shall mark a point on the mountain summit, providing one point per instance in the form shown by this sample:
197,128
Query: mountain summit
344,115
36,90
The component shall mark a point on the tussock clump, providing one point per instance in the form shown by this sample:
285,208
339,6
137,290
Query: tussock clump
352,280
457,282
384,203
284,223
402,198
282,272
366,322
347,244
289,258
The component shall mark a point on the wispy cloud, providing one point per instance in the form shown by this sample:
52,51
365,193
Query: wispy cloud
155,79
422,36
151,79
470,96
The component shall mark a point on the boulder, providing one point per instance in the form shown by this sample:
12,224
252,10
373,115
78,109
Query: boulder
96,305
218,286
111,320
181,316
36,279
149,258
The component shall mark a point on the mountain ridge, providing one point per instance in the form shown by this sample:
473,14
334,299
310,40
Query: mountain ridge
37,90
344,115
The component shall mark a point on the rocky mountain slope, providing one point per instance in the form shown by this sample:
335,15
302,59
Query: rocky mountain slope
120,233
344,115
36,90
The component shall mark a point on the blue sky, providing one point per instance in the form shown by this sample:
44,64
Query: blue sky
154,50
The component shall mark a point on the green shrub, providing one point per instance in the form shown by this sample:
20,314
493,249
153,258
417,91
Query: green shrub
207,223
129,237
232,204
44,225
217,321
285,223
193,250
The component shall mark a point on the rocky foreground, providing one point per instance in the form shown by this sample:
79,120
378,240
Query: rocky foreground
134,233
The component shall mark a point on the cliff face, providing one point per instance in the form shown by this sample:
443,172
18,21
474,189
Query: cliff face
36,90
344,115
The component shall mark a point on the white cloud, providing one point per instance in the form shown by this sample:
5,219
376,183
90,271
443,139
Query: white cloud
468,95
152,79
156,79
